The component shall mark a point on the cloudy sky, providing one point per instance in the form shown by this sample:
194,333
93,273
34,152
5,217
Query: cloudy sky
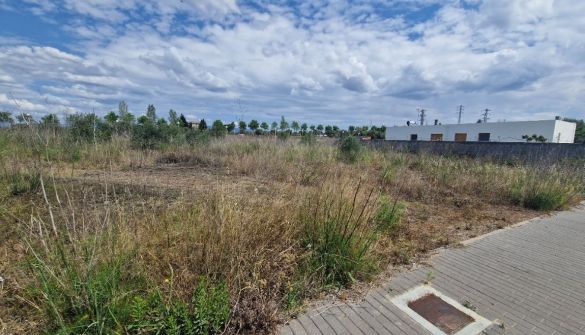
339,62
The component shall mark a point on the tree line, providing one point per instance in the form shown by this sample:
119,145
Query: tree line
147,130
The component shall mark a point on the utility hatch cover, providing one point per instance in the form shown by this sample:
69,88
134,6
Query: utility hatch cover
438,313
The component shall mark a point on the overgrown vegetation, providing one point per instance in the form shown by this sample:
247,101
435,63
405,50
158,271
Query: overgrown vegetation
147,227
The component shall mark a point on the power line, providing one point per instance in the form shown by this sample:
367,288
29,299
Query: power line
460,112
486,113
421,115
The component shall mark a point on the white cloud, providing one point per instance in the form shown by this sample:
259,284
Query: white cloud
322,61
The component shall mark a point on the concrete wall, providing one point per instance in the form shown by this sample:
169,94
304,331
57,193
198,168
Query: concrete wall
553,130
535,152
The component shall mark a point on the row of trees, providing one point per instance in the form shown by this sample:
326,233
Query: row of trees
122,122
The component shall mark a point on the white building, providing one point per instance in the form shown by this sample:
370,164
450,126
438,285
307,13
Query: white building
555,131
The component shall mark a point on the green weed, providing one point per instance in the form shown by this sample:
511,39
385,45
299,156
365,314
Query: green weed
350,149
339,237
388,215
207,313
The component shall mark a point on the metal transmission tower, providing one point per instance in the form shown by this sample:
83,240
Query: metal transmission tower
460,112
421,115
486,113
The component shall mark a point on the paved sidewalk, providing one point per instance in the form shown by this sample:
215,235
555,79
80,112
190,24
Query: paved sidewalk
530,277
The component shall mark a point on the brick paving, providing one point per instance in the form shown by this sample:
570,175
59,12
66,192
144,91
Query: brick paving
530,278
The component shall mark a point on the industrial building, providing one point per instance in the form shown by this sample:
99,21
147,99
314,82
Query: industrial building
553,131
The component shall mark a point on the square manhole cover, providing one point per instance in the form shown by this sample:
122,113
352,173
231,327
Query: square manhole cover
439,314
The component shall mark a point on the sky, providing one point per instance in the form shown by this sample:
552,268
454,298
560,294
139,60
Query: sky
331,62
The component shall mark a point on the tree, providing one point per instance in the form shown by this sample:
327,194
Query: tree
242,126
143,119
253,125
25,118
183,121
50,120
283,124
151,113
329,131
534,137
351,130
231,126
88,128
320,128
304,128
111,118
295,126
173,119
6,117
218,129
312,127
273,126
264,126
202,125
335,130
125,119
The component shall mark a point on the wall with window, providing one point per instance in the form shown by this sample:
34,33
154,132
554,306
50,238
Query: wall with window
555,131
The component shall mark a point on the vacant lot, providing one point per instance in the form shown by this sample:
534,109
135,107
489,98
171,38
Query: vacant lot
232,233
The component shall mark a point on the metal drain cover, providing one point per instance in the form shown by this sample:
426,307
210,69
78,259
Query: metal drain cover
441,314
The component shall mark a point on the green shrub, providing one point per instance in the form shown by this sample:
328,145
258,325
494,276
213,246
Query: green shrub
350,149
535,192
388,215
338,237
207,313
24,183
194,137
218,129
88,128
283,135
148,135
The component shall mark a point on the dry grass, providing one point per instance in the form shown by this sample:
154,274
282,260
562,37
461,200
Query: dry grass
277,222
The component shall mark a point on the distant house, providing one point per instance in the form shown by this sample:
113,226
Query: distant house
5,124
555,131
193,124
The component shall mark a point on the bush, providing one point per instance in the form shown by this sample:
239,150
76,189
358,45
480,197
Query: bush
88,128
197,136
338,237
218,129
208,312
350,149
148,136
538,193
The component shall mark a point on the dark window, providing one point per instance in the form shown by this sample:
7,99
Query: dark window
483,137
413,137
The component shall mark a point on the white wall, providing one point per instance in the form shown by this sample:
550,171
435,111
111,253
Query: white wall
564,132
499,131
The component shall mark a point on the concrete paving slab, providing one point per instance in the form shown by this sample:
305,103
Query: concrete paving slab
526,279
